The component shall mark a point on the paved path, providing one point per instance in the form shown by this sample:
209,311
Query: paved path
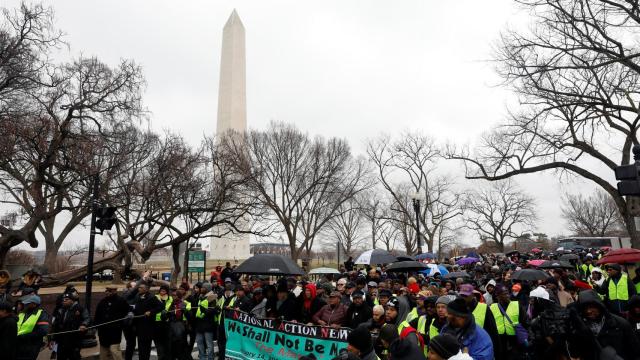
94,352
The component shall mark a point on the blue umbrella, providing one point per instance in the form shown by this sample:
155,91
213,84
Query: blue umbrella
424,256
443,270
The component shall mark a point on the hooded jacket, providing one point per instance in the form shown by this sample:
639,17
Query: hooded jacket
474,338
308,307
404,349
616,332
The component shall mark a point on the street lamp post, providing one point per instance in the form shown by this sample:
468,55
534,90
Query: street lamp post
416,207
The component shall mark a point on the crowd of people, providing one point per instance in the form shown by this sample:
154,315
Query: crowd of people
477,311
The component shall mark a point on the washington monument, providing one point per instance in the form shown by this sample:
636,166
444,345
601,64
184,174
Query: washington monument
232,115
232,99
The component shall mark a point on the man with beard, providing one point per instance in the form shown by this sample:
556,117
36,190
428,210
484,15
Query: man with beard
358,312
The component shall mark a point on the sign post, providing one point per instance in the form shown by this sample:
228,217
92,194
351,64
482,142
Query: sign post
197,263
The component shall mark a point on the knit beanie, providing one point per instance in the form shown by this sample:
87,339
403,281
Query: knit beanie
458,307
206,286
388,333
360,338
444,299
445,345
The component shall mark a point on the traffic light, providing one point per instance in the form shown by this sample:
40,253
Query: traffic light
105,218
629,181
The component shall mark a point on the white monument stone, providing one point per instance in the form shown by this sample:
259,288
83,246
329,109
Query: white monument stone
232,115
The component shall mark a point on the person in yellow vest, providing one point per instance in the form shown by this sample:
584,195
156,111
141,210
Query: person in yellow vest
421,324
617,289
162,329
204,321
227,301
587,266
503,307
481,313
33,326
178,321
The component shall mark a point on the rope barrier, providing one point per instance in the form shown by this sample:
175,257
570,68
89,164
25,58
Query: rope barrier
111,322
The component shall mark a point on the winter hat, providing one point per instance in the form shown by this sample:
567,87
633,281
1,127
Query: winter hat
614,267
500,288
466,289
206,286
388,333
539,292
360,338
445,299
445,345
458,307
394,303
516,288
30,299
413,288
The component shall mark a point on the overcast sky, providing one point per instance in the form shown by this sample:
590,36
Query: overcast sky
351,69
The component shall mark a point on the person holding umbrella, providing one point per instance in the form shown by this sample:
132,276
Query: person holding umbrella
617,289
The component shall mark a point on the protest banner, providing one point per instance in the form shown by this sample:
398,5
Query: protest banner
249,337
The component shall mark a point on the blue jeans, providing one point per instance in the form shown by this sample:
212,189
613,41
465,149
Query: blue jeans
205,345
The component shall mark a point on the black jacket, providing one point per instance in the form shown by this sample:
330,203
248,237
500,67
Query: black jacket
145,303
109,309
67,319
287,310
8,335
357,315
316,305
616,332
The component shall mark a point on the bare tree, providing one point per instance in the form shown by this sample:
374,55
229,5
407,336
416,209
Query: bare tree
301,181
375,210
593,215
347,226
578,82
497,211
406,166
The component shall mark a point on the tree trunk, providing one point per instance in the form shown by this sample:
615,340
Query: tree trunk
50,259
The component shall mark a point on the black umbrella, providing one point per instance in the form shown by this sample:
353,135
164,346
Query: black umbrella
376,256
567,257
529,275
269,264
514,252
405,258
406,266
457,274
552,264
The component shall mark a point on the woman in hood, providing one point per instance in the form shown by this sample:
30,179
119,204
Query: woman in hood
309,303
597,277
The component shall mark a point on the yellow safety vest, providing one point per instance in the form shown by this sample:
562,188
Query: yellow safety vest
167,306
503,325
413,314
376,301
584,268
26,327
204,303
619,291
402,325
433,331
422,325
479,313
422,329
221,304
638,288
